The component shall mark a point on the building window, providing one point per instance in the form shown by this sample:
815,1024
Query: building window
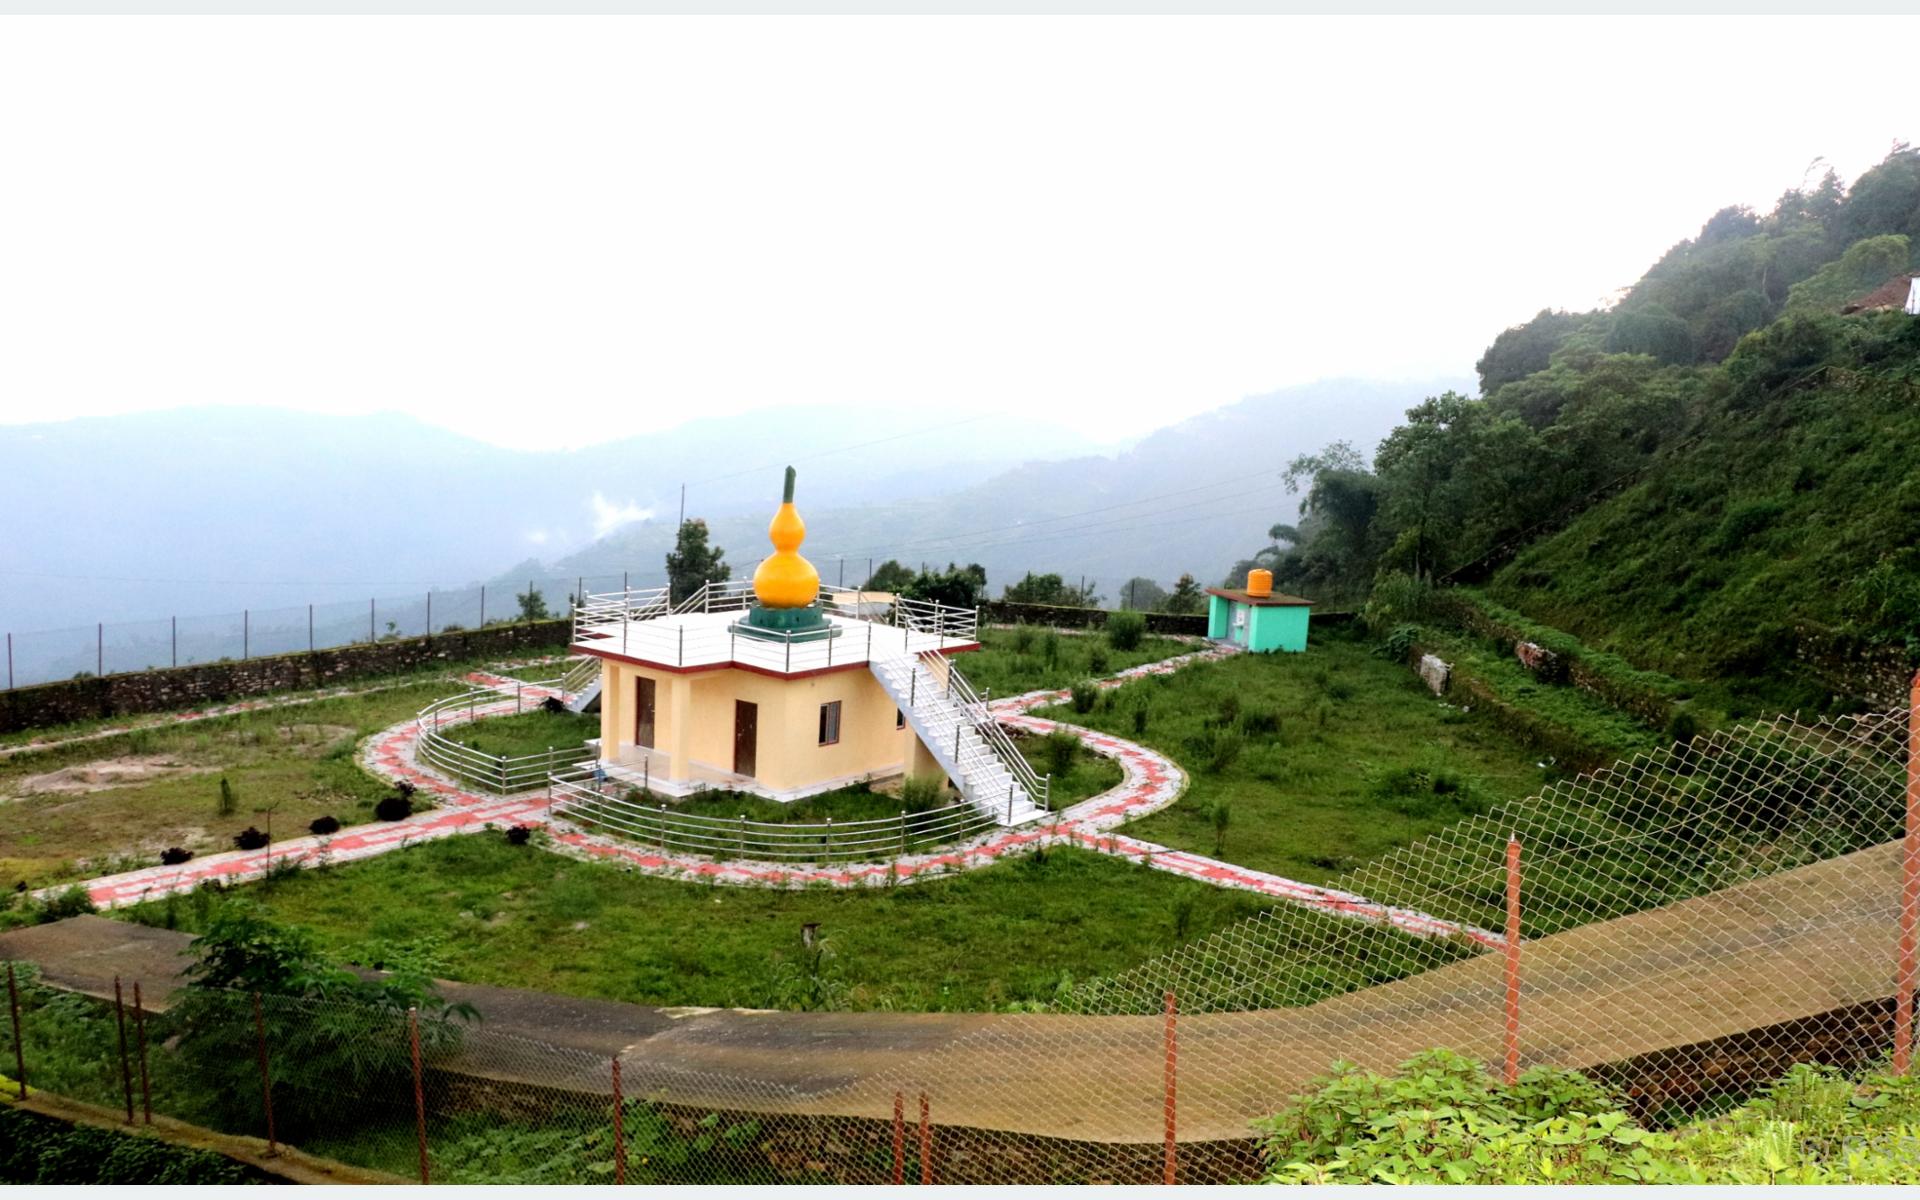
830,723
899,719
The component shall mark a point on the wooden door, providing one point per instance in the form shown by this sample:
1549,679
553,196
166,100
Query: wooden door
746,727
643,712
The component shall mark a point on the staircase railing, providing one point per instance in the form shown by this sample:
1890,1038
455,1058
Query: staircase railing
579,675
995,735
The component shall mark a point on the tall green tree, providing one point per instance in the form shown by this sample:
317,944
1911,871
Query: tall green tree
1186,597
1142,594
692,564
890,576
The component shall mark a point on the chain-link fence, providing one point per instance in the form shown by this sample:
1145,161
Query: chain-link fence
1685,925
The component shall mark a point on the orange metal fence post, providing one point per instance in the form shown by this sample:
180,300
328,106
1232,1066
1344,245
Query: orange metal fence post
1909,894
126,1069
1513,960
19,1051
419,1090
619,1134
899,1139
926,1143
1172,1075
140,1032
266,1076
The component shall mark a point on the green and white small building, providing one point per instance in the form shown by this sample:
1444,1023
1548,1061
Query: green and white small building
1258,617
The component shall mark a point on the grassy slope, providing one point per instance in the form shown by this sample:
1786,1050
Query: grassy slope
1769,521
523,917
299,759
1337,784
1013,661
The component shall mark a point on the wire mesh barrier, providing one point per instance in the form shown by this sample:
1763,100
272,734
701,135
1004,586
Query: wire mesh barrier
1684,925
107,648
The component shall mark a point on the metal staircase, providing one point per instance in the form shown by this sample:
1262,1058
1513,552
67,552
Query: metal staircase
970,746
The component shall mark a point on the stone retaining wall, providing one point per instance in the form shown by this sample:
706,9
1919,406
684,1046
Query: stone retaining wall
212,683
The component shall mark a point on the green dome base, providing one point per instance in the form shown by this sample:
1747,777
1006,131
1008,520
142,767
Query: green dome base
807,624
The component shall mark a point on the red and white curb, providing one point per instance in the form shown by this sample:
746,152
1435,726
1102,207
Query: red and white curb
1150,782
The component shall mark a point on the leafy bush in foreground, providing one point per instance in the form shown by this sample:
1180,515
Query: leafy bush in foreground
1443,1119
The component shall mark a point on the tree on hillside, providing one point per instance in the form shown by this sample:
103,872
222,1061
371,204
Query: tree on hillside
956,587
533,606
692,564
891,576
1142,594
1051,589
1186,597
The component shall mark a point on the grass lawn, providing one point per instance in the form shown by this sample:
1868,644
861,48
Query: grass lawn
1319,760
1024,659
533,732
524,917
135,794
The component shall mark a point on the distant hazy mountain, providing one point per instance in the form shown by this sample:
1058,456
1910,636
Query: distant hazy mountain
1193,497
214,510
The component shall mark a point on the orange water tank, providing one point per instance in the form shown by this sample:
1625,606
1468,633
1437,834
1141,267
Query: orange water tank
1259,583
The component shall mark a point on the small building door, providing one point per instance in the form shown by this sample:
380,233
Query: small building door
643,712
746,728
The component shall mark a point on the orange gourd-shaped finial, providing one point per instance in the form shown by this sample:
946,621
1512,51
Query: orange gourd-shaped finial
784,579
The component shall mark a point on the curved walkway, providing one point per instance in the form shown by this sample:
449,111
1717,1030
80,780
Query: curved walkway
1150,782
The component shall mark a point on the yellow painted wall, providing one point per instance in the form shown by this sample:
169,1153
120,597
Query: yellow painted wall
788,752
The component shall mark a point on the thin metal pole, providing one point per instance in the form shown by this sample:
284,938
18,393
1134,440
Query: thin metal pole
1172,1081
174,623
429,612
100,648
140,1033
19,1051
926,1143
246,634
483,606
619,1136
266,1078
419,1091
683,504
126,1069
9,662
1909,894
899,1139
529,601
309,629
370,621
1513,961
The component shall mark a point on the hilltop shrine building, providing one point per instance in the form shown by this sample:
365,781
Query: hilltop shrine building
771,687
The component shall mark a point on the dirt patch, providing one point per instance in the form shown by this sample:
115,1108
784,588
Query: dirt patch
104,774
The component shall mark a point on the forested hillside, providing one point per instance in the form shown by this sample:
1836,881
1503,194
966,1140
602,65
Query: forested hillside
1719,476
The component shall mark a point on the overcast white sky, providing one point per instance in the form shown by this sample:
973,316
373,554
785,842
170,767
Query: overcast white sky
552,231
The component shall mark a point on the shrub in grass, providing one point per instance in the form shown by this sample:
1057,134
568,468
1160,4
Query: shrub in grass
1023,639
1139,720
1340,691
1097,660
173,856
1050,648
921,793
323,826
1420,792
1222,814
249,839
72,902
1215,749
519,835
229,801
1085,696
553,704
1229,709
1060,748
1682,727
397,807
1260,722
1126,630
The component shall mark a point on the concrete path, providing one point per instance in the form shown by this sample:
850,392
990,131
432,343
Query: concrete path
1791,946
